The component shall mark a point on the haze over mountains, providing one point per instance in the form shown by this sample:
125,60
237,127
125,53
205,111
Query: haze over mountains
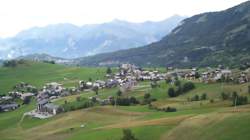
202,40
70,41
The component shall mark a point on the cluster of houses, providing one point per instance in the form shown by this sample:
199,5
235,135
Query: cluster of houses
49,92
7,104
21,91
211,75
126,78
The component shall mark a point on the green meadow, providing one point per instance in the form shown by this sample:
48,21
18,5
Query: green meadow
197,120
38,74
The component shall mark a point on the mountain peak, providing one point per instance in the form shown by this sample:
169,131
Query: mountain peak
71,41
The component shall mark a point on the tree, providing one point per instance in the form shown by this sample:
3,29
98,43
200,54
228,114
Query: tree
224,96
188,86
195,98
235,95
249,89
177,83
171,92
133,100
90,80
147,96
239,100
147,99
26,100
119,93
128,135
204,96
197,75
65,102
96,90
179,90
109,70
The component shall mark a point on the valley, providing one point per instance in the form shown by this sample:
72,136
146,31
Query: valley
192,119
101,70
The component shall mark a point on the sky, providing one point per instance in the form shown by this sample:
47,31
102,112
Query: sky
17,15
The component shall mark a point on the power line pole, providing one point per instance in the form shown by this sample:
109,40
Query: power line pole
235,103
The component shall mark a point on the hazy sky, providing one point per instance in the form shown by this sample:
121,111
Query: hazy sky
17,15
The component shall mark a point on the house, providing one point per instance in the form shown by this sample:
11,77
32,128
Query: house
127,86
243,78
6,98
8,107
25,95
111,83
52,108
44,106
41,104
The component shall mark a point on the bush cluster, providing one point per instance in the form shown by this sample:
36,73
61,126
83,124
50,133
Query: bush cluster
181,89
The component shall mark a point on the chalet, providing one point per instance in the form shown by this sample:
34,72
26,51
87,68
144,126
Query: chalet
243,78
45,107
25,95
6,98
128,85
111,83
41,104
52,108
8,107
216,75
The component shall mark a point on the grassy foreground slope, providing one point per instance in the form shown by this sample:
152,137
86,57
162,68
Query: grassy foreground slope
200,120
38,74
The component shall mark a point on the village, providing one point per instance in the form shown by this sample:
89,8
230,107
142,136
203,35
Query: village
125,79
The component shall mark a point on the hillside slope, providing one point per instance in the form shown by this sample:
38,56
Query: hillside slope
203,40
37,74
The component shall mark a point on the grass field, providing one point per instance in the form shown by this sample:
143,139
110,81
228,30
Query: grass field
38,74
198,120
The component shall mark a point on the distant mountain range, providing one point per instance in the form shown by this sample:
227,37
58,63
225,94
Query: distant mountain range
70,41
207,39
46,57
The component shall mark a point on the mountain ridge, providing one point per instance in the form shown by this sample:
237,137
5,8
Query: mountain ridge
206,39
71,41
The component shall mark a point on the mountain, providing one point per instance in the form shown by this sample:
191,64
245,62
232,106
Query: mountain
45,57
71,41
207,39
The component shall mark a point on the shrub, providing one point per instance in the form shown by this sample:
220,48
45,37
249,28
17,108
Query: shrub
177,83
128,135
170,109
119,93
109,70
211,100
70,106
179,91
239,100
195,98
133,100
224,96
147,96
188,86
171,92
204,96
